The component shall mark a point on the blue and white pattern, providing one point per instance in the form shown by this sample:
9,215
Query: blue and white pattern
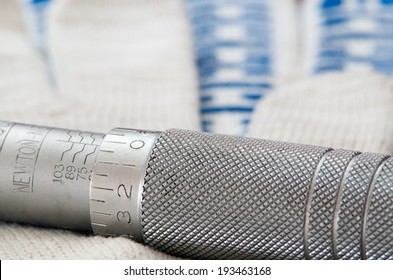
35,13
233,50
355,35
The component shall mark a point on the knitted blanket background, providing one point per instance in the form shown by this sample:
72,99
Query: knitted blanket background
316,72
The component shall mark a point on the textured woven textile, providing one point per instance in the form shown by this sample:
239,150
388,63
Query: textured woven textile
243,50
344,110
101,53
24,242
132,65
348,35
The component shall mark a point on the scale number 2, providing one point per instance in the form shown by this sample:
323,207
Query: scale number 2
123,190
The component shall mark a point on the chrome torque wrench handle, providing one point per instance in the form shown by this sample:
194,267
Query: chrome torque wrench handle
200,195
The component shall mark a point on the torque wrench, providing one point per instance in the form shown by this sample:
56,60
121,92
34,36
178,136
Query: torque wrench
200,195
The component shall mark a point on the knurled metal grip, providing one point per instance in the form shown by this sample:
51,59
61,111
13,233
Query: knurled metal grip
219,197
200,195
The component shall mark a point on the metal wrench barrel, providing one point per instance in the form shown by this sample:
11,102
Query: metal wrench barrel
45,175
200,195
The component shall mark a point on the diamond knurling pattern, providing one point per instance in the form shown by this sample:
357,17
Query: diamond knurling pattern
324,197
210,196
352,205
379,232
214,196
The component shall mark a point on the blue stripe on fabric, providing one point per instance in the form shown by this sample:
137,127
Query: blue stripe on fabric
386,21
35,13
262,59
347,58
253,96
243,12
255,70
211,61
36,10
335,21
206,72
359,36
328,68
231,109
40,1
206,98
332,53
208,19
249,69
331,3
336,33
385,65
252,42
253,18
197,3
208,31
235,85
211,47
206,125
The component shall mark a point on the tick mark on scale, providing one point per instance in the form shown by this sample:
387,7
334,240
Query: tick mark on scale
107,162
115,142
97,200
117,134
102,213
107,151
105,189
99,225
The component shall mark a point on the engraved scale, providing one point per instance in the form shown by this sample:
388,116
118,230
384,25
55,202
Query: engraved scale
115,199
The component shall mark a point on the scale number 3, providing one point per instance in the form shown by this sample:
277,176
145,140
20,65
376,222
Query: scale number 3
124,217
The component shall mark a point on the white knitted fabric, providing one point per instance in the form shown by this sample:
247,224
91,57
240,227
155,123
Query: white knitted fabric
341,110
24,90
23,242
143,76
126,63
